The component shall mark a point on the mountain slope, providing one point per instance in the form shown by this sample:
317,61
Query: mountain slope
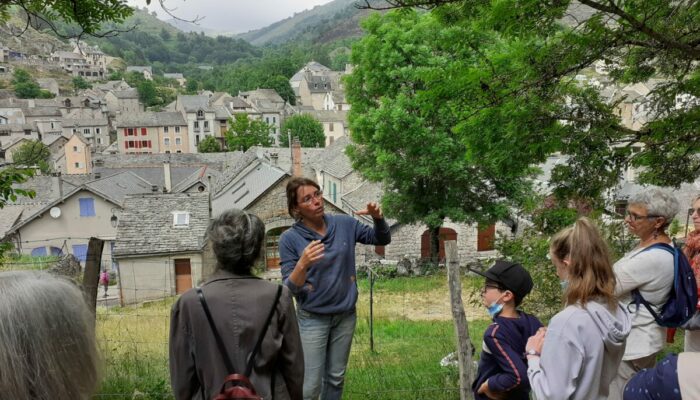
338,19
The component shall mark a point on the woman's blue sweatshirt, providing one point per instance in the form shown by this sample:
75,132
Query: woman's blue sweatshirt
330,286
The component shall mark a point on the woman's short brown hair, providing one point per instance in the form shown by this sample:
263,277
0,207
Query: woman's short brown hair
295,183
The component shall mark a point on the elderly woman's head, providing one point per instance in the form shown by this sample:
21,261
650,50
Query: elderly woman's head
47,339
649,212
237,238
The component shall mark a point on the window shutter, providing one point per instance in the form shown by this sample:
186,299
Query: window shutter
87,207
39,252
80,252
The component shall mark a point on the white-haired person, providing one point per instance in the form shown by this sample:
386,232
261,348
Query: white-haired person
247,313
650,271
47,339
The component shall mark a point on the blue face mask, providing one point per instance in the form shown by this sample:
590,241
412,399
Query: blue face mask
564,285
494,309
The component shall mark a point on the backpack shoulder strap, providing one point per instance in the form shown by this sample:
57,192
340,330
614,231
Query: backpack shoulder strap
637,295
251,359
217,337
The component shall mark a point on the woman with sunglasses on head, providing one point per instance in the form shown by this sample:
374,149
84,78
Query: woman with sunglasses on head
317,255
650,270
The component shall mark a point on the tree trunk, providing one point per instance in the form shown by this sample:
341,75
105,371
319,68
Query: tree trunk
435,245
464,346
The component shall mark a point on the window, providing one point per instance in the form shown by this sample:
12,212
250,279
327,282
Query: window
87,207
86,131
177,129
167,151
129,132
196,140
181,218
267,120
144,132
75,149
196,124
200,114
27,132
330,127
178,140
52,125
39,252
179,151
78,165
165,129
80,252
274,120
97,131
334,192
166,141
206,125
99,140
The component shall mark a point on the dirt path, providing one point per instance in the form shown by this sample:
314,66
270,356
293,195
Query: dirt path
431,305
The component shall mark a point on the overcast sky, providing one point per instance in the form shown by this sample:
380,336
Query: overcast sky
233,16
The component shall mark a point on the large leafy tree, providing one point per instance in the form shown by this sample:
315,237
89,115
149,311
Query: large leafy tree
306,128
87,15
531,50
418,140
244,133
33,153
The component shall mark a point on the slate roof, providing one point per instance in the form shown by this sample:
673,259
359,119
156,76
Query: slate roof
334,160
45,111
309,156
153,175
194,103
328,115
164,118
138,68
146,224
312,66
116,187
218,161
201,175
126,94
9,215
358,198
251,183
238,102
84,122
233,169
173,75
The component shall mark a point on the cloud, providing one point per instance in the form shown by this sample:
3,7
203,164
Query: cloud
232,16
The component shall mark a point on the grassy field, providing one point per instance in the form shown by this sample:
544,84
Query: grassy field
412,333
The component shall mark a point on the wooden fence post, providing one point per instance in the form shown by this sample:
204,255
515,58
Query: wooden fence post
91,276
464,350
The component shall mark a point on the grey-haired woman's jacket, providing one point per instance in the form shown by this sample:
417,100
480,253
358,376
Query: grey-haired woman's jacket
239,306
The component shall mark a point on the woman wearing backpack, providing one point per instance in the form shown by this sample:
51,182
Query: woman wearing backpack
650,271
240,306
692,251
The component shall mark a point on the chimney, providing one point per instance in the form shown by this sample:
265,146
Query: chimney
274,157
98,175
209,193
154,188
296,157
166,176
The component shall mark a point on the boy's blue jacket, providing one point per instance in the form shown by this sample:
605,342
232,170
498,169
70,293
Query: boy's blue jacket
503,360
330,286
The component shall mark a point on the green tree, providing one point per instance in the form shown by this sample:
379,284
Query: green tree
87,16
148,93
243,133
411,138
209,145
282,87
25,86
33,153
80,83
531,50
306,128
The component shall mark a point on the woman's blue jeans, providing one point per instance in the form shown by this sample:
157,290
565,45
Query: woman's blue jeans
326,340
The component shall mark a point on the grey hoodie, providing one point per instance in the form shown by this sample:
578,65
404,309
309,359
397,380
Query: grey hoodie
581,354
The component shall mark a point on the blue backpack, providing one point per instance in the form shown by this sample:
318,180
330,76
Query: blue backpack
683,299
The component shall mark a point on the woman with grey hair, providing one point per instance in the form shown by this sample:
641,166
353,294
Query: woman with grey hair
240,306
649,270
47,339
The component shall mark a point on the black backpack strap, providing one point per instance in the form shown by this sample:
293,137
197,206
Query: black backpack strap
217,337
251,359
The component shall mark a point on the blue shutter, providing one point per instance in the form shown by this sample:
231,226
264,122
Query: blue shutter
87,207
80,252
39,252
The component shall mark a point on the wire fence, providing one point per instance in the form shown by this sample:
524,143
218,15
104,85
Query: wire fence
401,347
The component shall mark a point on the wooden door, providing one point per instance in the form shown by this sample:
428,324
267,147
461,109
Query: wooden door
183,275
272,251
486,238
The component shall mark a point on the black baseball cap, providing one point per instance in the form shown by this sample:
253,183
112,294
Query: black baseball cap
511,276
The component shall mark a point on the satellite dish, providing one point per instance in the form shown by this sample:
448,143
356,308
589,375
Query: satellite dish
55,212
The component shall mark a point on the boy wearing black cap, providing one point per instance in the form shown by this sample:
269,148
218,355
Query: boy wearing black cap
503,365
